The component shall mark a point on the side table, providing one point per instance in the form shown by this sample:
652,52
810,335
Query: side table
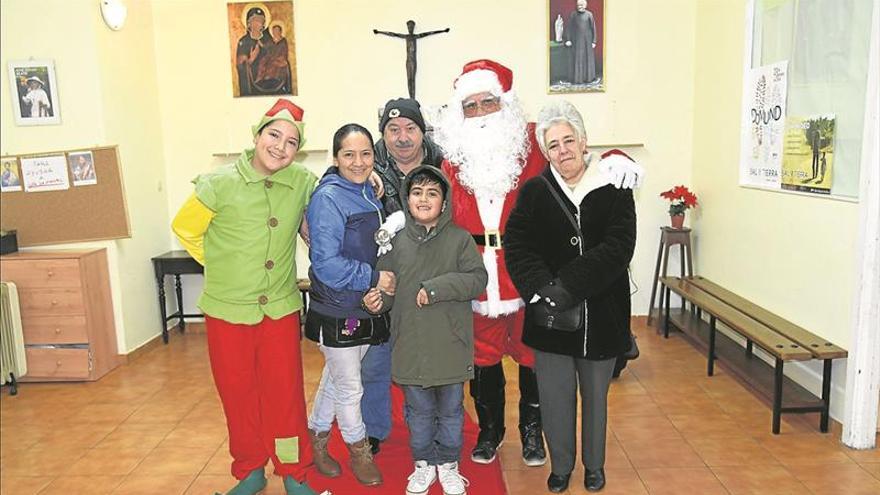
179,263
668,238
175,263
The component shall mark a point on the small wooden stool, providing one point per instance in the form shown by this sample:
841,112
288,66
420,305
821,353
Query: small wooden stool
668,238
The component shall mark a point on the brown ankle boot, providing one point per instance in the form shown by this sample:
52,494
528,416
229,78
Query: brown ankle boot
326,465
362,464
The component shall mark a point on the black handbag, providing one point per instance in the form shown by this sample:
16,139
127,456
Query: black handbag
346,332
542,315
569,320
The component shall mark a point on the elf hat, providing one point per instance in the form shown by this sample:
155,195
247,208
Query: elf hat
283,110
483,76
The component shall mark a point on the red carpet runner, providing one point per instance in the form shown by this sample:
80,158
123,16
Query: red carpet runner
396,463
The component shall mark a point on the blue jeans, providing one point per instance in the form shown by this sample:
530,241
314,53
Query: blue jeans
435,417
376,402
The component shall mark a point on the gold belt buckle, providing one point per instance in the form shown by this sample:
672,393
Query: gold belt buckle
492,239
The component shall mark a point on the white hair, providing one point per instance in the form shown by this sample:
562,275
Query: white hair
488,151
559,112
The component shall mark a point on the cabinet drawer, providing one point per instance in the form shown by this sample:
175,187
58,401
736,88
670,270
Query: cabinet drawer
43,273
51,302
55,330
57,363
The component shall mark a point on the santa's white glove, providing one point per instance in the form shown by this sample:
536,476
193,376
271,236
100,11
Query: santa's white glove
622,172
388,230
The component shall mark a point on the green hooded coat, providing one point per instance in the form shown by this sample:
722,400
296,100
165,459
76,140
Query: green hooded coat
434,344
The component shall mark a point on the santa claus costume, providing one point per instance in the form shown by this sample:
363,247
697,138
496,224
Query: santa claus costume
487,157
490,150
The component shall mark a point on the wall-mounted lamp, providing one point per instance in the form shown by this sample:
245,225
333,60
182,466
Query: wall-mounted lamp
114,12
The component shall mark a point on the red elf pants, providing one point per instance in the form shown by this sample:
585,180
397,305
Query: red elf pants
259,376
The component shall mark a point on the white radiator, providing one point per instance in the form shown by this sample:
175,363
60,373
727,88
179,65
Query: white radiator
13,363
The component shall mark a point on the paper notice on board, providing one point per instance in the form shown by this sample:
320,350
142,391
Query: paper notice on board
46,173
763,125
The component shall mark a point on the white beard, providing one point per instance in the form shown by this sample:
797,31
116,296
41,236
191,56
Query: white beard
489,151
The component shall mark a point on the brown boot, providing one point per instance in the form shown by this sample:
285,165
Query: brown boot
326,465
362,464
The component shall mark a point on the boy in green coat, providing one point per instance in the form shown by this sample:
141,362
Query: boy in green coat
439,271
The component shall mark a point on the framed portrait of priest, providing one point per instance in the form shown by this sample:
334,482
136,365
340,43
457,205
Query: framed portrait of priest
576,46
262,48
34,92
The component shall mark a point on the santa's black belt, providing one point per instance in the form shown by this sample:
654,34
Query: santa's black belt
490,239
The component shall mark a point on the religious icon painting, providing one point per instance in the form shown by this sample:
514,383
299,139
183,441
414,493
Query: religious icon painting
576,46
34,92
262,48
10,177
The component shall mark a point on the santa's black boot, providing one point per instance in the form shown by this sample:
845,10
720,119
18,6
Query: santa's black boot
530,431
487,389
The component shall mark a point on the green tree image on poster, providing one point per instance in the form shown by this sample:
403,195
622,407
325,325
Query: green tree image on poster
808,154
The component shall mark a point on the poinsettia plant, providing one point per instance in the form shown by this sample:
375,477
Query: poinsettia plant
680,199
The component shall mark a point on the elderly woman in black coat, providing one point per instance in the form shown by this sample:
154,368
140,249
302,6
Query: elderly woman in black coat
568,244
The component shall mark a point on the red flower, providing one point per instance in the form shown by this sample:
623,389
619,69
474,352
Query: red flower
681,199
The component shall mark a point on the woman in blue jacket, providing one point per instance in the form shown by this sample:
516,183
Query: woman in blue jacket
343,216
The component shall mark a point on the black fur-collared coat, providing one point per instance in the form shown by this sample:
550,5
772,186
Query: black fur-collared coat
540,245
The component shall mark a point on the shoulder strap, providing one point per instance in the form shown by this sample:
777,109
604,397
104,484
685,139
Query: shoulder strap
565,209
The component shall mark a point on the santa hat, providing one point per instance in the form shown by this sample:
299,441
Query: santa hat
283,110
483,76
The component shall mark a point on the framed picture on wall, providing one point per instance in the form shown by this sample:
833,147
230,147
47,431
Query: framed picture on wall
10,177
262,48
576,46
34,92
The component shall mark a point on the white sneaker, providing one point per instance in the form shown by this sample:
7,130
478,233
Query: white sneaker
421,479
451,480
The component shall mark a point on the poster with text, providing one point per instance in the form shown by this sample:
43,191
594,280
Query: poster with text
763,125
45,173
808,154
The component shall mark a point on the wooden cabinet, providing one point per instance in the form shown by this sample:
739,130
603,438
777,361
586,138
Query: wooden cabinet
66,313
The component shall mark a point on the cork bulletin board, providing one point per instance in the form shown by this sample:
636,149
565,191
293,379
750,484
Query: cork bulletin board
94,210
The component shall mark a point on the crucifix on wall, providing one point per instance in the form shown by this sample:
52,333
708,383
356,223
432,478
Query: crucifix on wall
411,37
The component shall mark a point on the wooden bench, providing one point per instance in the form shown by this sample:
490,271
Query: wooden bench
781,339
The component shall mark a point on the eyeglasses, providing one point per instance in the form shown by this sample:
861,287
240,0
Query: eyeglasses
488,104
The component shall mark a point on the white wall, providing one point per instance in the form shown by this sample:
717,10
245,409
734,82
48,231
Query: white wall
791,254
108,95
345,72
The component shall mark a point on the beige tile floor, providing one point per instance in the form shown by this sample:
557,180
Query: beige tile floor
154,426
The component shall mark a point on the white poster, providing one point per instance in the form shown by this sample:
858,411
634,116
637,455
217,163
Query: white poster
46,173
763,125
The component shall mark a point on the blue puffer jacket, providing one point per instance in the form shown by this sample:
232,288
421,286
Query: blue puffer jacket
342,216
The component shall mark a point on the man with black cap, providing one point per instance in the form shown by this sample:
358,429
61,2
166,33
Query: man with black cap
403,147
